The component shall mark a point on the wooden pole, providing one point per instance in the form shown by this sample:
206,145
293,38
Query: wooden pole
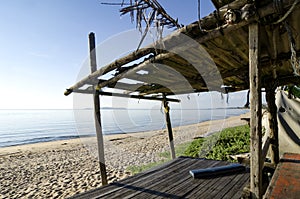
97,116
89,91
256,115
273,125
247,102
169,126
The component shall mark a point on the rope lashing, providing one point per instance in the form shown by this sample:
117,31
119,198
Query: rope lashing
279,7
166,107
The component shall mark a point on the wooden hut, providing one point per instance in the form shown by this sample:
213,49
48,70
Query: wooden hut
249,44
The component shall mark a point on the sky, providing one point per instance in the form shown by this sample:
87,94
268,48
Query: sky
45,42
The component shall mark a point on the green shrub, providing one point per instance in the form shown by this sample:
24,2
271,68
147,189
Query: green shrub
219,146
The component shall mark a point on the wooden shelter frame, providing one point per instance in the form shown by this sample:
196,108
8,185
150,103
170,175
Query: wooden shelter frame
262,53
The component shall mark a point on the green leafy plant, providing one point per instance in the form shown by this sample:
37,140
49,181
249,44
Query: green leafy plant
219,146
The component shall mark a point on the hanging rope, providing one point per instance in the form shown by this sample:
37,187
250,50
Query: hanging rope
166,107
294,60
278,5
199,14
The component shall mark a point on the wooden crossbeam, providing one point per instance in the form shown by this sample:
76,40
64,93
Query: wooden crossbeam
126,95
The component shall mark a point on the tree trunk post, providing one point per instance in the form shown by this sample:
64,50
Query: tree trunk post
256,115
169,126
97,114
273,125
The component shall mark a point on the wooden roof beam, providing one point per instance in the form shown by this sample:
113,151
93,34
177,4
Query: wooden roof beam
128,96
170,42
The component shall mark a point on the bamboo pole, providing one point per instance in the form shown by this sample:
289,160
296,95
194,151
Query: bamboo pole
169,126
93,63
273,125
256,115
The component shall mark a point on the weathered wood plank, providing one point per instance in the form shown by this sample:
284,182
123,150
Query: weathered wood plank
100,142
256,116
171,180
135,180
285,182
145,184
140,180
238,191
206,189
221,186
226,188
186,184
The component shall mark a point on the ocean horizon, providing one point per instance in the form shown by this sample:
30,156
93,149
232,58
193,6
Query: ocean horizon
28,126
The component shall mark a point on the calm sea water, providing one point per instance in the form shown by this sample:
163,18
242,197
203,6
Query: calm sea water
31,126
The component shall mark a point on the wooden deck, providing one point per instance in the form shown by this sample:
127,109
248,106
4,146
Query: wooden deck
286,179
172,180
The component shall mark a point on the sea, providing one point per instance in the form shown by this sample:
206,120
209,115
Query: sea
18,127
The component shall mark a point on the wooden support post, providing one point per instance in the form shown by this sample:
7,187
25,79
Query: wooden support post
273,125
247,102
169,126
97,116
256,115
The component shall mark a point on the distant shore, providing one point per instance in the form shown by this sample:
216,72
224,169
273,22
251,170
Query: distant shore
60,169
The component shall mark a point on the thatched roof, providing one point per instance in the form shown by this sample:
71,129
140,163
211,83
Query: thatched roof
225,62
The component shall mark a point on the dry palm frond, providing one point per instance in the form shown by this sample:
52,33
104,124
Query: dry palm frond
139,6
151,13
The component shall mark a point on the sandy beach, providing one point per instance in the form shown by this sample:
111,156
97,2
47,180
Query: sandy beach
61,169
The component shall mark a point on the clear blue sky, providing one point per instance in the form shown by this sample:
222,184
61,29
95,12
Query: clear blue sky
44,42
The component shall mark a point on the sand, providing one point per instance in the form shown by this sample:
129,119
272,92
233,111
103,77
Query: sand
61,169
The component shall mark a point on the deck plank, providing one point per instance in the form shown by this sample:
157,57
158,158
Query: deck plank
186,183
179,175
188,188
149,187
237,191
137,179
233,185
172,180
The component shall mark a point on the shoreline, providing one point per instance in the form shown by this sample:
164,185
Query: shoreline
76,136
118,136
60,169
